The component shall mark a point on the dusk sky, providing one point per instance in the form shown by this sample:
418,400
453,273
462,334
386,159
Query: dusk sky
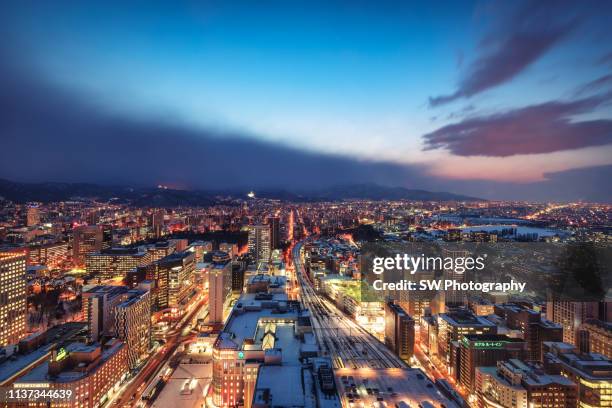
491,99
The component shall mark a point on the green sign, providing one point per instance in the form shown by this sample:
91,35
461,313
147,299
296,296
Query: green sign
240,355
489,344
61,354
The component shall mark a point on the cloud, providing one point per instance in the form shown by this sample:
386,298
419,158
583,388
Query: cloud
504,54
542,128
586,184
606,59
595,85
51,134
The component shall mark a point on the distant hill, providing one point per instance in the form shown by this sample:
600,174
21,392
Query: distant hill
377,192
158,197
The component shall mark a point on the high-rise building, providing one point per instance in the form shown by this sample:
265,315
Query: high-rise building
85,239
399,331
175,277
595,336
133,324
453,298
237,277
515,384
275,239
157,223
98,306
115,262
13,297
219,287
533,328
32,216
570,315
259,243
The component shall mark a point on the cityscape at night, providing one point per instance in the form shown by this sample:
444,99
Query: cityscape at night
313,204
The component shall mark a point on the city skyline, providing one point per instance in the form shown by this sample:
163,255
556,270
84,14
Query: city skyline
492,100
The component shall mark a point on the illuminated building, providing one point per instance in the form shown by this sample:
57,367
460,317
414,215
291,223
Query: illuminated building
32,216
590,371
477,350
13,297
399,331
53,254
85,240
89,371
259,243
257,355
454,325
219,288
596,337
133,324
115,262
98,308
157,223
451,298
175,279
515,384
428,334
160,250
533,328
570,315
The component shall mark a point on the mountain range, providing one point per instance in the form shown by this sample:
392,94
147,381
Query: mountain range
165,197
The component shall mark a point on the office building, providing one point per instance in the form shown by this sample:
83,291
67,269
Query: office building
454,325
160,250
98,307
13,297
133,324
570,315
590,371
157,223
515,384
32,216
53,255
532,327
275,239
85,240
115,262
91,372
237,277
175,278
259,243
219,288
477,350
595,336
399,331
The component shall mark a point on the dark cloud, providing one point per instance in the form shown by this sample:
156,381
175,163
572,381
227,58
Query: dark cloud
505,53
596,85
543,128
50,134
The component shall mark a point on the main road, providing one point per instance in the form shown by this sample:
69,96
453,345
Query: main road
132,392
343,340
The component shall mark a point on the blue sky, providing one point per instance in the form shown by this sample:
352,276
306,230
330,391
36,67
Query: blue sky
357,79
